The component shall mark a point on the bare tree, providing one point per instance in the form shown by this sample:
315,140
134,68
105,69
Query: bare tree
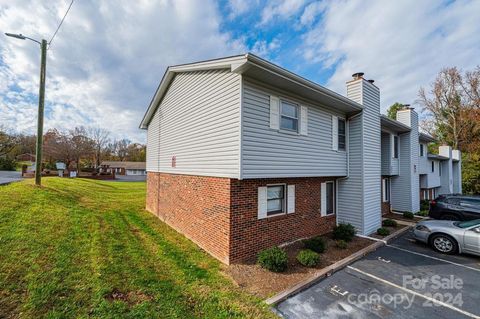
7,142
451,105
100,138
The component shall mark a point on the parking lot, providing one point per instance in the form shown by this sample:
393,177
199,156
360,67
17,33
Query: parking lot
402,280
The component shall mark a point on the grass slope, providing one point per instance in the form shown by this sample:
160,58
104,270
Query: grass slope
79,248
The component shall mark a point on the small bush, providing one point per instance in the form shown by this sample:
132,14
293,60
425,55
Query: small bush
317,244
408,215
383,231
424,204
7,164
423,213
344,232
342,244
308,258
389,223
274,259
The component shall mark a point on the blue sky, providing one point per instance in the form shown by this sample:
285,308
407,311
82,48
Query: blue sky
106,61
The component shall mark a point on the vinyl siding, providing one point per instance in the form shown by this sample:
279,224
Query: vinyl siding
153,144
269,153
405,187
423,162
371,158
389,164
350,190
199,124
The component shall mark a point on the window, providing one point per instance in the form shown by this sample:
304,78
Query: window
275,199
433,166
439,169
386,190
330,198
289,116
470,203
421,149
341,134
395,146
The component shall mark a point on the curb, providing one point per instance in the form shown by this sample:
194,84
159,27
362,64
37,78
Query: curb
329,270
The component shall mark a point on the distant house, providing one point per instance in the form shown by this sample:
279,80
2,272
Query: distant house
25,157
124,168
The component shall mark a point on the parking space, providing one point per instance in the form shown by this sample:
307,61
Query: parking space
402,280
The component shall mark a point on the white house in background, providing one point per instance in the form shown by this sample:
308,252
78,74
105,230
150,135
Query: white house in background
124,167
243,155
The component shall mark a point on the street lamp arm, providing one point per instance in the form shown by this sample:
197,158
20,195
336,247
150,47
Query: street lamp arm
21,37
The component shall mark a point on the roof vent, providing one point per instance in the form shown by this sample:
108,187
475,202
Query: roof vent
358,75
370,81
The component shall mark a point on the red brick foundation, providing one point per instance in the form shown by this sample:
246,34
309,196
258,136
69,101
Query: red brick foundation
220,214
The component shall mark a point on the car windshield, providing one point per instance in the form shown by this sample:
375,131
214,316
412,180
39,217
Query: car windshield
467,224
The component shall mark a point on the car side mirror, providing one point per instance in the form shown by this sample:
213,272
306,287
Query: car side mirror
477,230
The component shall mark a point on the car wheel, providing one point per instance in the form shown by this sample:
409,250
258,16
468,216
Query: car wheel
450,217
444,244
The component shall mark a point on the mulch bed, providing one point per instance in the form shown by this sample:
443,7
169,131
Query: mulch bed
391,229
263,283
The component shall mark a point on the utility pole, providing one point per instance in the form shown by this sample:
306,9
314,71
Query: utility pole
41,106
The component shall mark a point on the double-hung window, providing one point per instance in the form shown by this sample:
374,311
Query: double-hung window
275,199
289,116
421,149
386,190
330,198
341,134
433,166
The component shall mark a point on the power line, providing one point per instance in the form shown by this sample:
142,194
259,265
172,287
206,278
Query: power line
53,36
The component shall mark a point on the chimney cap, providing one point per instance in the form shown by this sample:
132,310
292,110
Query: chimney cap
370,81
358,75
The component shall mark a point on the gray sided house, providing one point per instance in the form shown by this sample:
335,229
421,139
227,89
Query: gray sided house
243,155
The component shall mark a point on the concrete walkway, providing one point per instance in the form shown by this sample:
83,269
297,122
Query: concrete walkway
9,176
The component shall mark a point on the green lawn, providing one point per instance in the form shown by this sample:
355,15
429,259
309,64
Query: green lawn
79,248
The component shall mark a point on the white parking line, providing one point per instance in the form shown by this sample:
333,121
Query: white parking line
435,258
433,300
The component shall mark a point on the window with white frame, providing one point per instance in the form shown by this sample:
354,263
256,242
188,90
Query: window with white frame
275,199
439,169
330,198
289,116
421,149
386,190
341,134
433,166
395,146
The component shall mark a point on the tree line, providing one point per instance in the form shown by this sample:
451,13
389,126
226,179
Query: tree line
450,112
78,148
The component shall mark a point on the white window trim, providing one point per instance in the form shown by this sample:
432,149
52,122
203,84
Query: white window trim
338,134
285,197
334,198
384,190
299,115
393,146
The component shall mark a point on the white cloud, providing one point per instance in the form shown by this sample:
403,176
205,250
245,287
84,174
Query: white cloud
239,7
281,9
106,61
265,49
402,44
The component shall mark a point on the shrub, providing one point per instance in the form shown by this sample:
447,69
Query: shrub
7,164
389,223
408,215
383,231
423,213
344,232
342,244
424,204
317,244
308,258
274,259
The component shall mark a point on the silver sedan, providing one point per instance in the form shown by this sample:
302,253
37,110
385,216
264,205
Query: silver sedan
450,237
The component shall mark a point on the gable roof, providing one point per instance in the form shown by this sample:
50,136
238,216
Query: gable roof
262,70
393,125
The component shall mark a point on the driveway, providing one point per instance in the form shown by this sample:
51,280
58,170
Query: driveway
402,280
9,176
